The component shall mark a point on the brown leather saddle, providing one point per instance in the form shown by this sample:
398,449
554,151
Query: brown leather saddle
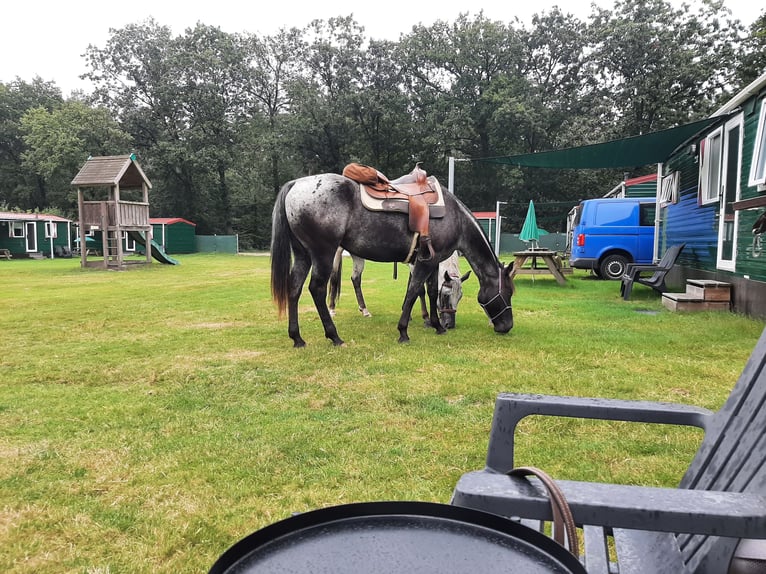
415,193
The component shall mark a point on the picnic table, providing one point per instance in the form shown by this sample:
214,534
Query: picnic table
551,264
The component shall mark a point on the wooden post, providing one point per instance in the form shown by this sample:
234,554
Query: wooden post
149,230
118,224
80,208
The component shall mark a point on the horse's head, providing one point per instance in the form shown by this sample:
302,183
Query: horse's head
495,298
450,293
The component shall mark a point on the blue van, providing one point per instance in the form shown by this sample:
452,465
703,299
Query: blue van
609,233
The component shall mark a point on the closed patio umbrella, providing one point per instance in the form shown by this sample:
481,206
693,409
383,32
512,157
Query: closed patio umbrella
529,231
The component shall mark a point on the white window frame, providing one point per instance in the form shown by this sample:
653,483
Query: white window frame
711,167
17,229
51,230
757,175
669,188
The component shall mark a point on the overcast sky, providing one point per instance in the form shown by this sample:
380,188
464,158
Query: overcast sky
47,38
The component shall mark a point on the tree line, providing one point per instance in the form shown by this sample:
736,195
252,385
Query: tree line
220,121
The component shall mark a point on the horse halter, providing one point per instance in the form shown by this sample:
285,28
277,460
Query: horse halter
497,305
445,296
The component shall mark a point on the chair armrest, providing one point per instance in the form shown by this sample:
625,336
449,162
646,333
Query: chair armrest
510,408
730,514
634,270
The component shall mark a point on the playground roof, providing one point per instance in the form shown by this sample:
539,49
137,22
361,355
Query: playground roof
111,170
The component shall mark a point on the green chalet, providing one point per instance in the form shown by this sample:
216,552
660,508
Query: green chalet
36,235
714,200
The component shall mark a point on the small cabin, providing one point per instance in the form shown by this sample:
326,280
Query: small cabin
36,235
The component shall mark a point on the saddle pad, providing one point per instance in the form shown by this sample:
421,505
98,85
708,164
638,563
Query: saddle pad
436,210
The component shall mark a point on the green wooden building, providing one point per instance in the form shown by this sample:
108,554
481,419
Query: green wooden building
713,192
174,234
38,235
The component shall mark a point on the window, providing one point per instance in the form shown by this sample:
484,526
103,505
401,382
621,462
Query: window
51,230
646,214
758,167
710,167
669,191
17,229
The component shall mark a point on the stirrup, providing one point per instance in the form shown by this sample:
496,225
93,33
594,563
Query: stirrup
425,249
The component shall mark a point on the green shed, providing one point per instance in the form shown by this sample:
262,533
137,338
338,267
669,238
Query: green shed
175,234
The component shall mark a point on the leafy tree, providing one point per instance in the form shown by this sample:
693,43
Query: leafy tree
278,61
18,186
452,72
58,142
753,59
663,66
323,129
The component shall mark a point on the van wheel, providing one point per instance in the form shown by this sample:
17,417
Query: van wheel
613,266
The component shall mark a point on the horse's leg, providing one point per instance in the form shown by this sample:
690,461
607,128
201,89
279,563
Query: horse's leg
298,274
432,287
356,280
335,278
422,297
415,284
320,274
423,307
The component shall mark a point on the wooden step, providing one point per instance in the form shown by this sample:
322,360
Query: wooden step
687,302
709,290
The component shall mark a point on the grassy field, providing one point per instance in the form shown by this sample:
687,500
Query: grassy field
151,418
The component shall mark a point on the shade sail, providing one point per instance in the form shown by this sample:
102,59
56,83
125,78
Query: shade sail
529,231
634,151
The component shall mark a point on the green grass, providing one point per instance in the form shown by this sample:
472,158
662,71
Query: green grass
151,418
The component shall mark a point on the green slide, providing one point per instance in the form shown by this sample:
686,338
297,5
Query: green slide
157,251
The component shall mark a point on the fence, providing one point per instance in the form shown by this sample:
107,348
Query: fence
217,243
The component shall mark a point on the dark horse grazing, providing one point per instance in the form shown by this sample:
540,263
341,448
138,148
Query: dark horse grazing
315,215
449,288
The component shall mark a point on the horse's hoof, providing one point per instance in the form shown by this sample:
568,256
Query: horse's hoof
365,313
339,343
299,344
332,312
404,339
441,331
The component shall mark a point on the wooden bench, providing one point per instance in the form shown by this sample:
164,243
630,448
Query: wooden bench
5,254
693,529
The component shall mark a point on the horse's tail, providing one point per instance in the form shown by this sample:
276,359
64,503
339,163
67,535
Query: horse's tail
281,237
335,276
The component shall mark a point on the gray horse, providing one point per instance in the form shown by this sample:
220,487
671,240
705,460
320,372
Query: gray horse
316,214
450,288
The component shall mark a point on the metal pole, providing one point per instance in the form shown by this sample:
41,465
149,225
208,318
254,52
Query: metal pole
451,175
497,226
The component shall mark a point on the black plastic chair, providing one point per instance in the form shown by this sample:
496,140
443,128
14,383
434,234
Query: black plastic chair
709,524
634,273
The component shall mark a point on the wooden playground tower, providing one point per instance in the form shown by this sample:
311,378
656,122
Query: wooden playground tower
114,218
